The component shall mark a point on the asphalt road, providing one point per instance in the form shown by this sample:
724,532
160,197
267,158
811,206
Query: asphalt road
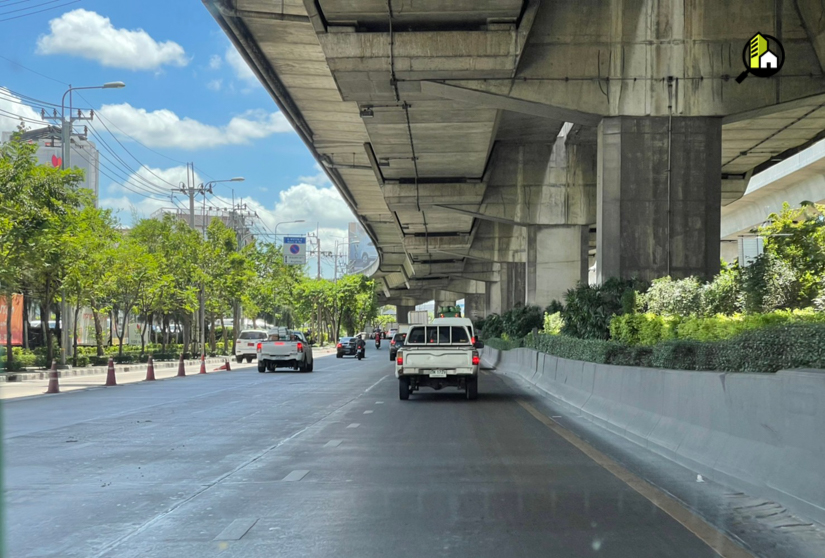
322,464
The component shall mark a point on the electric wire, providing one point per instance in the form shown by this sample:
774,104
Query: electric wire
40,11
10,61
25,8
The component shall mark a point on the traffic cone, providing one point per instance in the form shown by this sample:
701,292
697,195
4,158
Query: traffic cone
110,374
203,364
150,371
228,368
54,383
181,367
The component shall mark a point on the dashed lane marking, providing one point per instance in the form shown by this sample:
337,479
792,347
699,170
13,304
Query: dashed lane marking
295,476
368,412
354,425
235,530
333,443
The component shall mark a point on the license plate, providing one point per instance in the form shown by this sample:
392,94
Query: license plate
438,373
250,344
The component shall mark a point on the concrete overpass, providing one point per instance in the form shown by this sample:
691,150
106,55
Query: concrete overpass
493,149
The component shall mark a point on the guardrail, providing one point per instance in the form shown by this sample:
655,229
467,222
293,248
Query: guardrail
760,433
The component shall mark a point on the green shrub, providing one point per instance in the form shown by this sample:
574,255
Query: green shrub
554,307
675,298
723,295
589,309
643,329
553,323
769,283
493,327
521,320
504,344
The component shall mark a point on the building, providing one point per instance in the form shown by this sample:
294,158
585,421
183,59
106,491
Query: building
85,155
240,222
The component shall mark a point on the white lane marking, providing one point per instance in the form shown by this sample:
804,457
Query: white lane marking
375,384
235,530
368,412
379,402
296,475
333,443
354,425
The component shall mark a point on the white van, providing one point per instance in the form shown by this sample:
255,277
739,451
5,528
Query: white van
466,322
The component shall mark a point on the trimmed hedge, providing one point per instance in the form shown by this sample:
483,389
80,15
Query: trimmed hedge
650,329
794,345
504,344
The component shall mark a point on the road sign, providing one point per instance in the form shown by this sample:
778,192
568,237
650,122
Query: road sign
295,250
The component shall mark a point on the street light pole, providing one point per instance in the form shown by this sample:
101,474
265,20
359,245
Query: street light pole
66,152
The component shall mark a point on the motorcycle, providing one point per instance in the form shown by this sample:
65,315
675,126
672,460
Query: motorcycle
359,352
377,342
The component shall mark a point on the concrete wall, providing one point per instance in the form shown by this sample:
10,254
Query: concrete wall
760,433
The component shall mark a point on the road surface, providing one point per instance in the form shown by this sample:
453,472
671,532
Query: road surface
322,464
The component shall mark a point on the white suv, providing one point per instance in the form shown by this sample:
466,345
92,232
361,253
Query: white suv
246,347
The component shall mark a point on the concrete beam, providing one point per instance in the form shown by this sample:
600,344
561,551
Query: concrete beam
812,16
502,102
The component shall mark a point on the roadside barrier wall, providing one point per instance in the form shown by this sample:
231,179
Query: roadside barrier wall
760,433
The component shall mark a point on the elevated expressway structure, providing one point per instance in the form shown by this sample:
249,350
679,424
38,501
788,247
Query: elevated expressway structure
495,149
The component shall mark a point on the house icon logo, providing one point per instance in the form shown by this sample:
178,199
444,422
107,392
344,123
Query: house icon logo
763,56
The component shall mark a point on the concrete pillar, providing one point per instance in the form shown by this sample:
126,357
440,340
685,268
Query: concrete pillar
659,197
509,290
475,306
401,313
556,261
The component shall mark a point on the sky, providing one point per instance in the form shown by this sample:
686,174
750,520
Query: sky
189,97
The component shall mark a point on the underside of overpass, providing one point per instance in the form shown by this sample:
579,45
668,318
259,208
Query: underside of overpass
495,149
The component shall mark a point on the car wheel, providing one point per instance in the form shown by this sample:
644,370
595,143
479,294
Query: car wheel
261,369
311,366
239,359
248,359
472,388
339,355
403,388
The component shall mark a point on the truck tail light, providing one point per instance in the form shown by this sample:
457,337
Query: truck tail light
300,347
259,347
476,360
399,360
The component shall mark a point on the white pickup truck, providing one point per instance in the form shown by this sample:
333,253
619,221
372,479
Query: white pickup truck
438,356
284,348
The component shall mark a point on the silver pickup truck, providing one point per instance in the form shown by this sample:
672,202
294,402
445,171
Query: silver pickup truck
438,356
284,348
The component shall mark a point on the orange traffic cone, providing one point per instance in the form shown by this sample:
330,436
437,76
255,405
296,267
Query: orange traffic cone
150,371
110,374
181,367
54,383
203,364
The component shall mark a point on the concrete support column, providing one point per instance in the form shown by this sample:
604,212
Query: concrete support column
509,290
556,260
659,196
475,306
401,313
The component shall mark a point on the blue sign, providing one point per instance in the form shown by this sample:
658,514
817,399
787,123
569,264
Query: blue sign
295,250
295,240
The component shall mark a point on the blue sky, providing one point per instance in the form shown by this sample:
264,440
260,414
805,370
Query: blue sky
188,96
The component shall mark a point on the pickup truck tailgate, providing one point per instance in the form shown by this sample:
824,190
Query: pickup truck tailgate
278,349
435,358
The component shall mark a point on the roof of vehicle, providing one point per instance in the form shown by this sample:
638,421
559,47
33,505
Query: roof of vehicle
402,335
342,339
249,330
453,321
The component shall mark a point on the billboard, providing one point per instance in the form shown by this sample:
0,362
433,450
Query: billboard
362,253
16,320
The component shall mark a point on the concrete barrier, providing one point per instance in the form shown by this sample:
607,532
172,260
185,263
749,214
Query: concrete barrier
760,433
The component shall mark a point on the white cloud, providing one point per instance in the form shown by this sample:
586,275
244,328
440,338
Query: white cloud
215,62
92,36
242,70
215,84
10,103
144,207
164,128
319,179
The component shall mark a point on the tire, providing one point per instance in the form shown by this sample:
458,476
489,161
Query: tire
472,389
312,365
261,369
403,389
339,355
239,359
392,357
248,359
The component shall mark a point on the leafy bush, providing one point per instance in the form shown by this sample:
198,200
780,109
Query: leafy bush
769,283
589,309
554,307
643,329
493,327
553,323
504,344
521,320
723,295
682,297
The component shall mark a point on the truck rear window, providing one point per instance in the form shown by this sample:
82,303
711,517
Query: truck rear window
438,335
252,335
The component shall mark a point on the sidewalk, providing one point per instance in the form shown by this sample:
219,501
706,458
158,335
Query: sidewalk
94,370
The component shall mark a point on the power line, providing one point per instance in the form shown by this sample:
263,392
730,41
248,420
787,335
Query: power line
27,7
40,11
97,136
10,61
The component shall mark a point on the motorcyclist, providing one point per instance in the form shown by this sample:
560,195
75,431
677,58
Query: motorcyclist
361,345
377,341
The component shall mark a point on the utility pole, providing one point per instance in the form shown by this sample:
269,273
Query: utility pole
66,147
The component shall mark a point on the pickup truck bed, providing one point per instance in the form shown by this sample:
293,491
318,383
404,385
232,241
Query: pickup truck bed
285,349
